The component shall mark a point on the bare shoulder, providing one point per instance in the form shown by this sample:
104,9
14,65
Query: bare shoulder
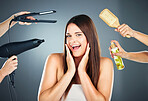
106,63
105,59
55,63
55,58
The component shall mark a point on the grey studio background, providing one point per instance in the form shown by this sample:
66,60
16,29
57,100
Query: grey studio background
130,84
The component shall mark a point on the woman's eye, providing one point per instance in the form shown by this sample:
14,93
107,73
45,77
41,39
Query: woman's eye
78,34
68,35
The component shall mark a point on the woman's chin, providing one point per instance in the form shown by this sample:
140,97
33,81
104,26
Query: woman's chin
77,55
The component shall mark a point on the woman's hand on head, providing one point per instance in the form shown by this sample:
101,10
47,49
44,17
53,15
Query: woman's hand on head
84,60
70,60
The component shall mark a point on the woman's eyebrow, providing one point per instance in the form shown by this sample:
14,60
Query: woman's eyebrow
74,33
78,32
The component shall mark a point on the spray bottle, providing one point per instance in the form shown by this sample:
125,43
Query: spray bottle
117,59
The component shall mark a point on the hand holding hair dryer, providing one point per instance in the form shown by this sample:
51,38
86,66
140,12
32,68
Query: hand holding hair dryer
15,48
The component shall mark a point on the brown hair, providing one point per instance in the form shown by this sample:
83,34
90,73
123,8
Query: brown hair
87,26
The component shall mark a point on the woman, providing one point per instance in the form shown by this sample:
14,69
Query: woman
80,73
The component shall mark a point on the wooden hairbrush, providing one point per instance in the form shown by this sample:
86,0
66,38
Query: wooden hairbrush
110,19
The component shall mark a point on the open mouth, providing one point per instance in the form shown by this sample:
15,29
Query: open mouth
76,47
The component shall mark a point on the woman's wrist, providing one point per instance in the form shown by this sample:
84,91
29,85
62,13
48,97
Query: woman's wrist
135,33
71,71
12,17
80,71
127,55
2,74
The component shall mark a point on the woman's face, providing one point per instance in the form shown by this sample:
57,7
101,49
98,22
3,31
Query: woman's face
76,40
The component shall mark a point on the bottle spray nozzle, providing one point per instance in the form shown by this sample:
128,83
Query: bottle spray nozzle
113,45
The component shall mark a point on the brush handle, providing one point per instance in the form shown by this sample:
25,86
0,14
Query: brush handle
128,36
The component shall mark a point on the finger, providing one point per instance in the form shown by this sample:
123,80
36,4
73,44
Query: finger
67,49
24,12
118,54
110,52
123,27
112,56
21,13
24,23
88,49
14,68
109,48
117,44
116,30
14,62
12,58
28,23
30,17
21,23
123,32
120,27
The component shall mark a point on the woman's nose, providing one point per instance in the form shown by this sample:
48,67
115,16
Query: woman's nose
72,40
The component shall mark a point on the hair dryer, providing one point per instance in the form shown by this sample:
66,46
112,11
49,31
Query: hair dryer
15,48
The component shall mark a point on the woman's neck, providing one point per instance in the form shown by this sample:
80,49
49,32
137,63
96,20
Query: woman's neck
77,60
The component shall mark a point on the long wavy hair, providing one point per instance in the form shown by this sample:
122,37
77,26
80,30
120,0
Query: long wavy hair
87,26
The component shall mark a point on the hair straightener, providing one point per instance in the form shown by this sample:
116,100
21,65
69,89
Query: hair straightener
23,18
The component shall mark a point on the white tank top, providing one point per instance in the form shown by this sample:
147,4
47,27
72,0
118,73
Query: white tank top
75,93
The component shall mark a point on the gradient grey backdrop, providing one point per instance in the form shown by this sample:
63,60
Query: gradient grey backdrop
130,84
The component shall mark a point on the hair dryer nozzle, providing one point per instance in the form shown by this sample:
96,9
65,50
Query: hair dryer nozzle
40,41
